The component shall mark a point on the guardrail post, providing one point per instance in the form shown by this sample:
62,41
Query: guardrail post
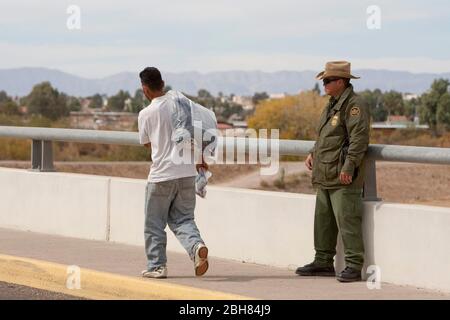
370,181
36,155
47,156
42,156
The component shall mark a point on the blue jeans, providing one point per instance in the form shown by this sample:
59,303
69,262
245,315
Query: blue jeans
169,203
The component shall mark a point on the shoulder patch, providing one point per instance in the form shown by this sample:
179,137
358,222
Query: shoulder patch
354,111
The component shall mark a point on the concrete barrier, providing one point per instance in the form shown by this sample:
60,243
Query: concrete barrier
409,243
65,204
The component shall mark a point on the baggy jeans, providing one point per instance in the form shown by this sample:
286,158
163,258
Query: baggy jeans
169,203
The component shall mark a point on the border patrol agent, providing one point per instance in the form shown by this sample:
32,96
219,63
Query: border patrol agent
337,165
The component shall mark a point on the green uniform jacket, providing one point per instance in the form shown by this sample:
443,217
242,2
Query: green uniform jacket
343,139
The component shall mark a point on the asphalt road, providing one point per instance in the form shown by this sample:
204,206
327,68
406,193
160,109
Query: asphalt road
11,291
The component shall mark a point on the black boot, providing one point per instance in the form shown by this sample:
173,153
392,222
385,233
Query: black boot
349,275
314,269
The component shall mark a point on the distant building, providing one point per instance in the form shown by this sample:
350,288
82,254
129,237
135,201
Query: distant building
409,96
235,129
395,122
23,109
277,95
234,117
223,126
394,119
105,100
16,100
240,124
127,105
224,99
244,101
85,102
99,120
388,128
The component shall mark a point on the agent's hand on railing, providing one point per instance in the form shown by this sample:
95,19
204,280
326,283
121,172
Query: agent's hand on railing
309,161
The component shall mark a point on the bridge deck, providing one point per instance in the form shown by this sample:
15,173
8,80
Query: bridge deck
228,276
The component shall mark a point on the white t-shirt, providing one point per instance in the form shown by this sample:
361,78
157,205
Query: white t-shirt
155,127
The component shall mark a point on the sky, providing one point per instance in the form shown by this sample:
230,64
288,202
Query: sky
222,35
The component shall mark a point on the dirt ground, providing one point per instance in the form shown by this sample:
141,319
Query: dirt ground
136,170
397,182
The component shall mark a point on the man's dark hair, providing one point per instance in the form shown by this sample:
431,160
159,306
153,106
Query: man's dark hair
151,77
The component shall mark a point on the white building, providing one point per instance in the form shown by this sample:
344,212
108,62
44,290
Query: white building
277,95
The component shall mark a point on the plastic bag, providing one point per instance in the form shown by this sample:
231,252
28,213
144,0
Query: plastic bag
194,125
201,180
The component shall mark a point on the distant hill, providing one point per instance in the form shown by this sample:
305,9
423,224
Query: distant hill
21,80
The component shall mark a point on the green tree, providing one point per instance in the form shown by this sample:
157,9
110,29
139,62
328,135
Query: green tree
139,101
206,99
443,111
9,108
411,107
316,88
4,97
393,103
204,94
259,96
373,100
117,102
7,105
228,108
73,103
96,101
46,101
434,106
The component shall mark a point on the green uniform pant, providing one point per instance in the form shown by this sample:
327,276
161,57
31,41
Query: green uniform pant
339,210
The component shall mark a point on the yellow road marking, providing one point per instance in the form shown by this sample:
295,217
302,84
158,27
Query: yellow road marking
99,285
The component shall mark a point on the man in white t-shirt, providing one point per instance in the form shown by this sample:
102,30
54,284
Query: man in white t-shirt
170,192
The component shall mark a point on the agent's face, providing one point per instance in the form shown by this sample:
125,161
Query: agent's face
333,86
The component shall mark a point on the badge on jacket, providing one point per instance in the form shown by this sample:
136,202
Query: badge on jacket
334,121
354,111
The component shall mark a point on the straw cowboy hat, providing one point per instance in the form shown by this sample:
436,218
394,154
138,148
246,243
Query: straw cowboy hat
340,69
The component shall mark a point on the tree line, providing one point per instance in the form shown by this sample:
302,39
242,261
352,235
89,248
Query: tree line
432,107
296,116
46,101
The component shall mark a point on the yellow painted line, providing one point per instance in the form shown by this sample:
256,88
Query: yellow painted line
99,285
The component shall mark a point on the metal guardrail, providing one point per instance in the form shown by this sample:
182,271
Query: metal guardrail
42,150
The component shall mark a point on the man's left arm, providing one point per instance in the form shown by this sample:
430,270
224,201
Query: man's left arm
144,137
358,128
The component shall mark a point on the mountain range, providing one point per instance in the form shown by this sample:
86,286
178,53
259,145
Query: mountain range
19,81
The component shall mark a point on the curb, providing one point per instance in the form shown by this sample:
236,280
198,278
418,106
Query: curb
99,285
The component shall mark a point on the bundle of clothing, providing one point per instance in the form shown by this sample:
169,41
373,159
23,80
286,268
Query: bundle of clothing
195,129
